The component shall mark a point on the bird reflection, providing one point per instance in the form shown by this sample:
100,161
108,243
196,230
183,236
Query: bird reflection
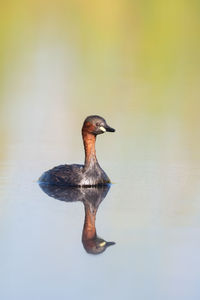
91,198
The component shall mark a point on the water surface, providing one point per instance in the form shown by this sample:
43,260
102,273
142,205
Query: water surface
152,212
136,65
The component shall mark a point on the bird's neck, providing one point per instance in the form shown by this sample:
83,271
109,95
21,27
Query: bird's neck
89,229
89,146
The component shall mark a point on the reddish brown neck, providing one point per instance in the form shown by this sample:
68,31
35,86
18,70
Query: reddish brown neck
89,230
89,145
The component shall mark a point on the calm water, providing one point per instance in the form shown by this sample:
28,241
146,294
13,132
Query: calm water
137,65
151,212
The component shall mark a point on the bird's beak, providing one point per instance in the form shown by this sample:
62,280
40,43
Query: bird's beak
109,129
110,244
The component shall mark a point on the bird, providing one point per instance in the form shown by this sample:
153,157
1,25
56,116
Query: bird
91,199
89,174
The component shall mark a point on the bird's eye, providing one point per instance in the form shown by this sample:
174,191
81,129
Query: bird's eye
97,124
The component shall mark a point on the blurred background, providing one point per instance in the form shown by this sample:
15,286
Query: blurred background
134,62
137,64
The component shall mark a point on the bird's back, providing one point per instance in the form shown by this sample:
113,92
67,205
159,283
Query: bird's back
75,175
70,175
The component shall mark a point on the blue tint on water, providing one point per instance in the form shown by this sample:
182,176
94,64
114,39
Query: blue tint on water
152,213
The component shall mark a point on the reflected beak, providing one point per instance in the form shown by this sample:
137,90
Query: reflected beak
110,244
109,129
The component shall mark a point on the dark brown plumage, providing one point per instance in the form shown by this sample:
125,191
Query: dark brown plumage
91,198
89,174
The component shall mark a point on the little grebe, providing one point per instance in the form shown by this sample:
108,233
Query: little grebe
91,199
89,174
